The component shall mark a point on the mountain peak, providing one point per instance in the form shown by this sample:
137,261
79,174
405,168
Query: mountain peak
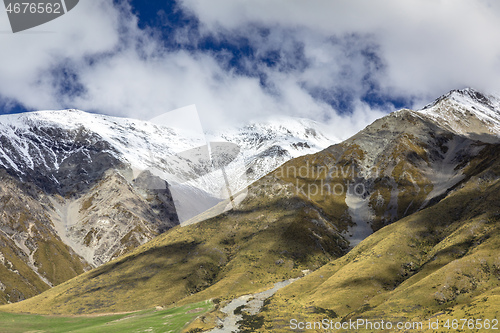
473,95
467,112
469,91
468,96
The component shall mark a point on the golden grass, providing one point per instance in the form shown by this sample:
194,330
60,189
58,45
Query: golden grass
441,261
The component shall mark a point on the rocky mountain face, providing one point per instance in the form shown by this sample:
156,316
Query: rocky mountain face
397,212
400,164
80,189
440,263
32,258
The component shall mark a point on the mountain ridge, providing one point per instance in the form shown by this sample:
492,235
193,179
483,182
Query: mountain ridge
466,112
292,221
102,197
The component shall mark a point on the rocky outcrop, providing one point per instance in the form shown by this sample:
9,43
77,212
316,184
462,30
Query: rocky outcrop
81,189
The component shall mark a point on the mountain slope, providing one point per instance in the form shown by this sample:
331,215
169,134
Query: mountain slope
440,262
102,197
313,209
70,157
245,249
32,257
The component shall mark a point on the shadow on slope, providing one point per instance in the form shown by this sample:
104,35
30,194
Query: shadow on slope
236,253
442,261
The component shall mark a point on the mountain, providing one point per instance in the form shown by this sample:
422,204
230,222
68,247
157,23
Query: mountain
80,189
33,258
440,263
398,221
267,144
467,112
437,263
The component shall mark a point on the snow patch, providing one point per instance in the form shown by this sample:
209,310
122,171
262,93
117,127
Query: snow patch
361,215
467,112
443,173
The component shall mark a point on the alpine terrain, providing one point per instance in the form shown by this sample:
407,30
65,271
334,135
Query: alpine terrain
398,223
79,189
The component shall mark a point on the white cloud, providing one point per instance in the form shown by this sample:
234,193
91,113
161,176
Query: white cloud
328,50
428,46
26,56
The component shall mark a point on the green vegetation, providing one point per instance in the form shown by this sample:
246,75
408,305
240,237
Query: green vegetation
438,261
170,320
442,261
266,240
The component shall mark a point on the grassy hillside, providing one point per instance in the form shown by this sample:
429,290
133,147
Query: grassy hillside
170,320
441,262
267,239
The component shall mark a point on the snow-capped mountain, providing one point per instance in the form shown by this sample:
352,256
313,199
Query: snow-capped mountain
80,159
82,189
57,149
411,159
266,145
467,112
45,140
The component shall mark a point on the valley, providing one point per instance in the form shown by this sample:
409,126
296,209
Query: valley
419,241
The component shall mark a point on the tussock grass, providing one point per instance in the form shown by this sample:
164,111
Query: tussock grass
170,320
244,251
442,261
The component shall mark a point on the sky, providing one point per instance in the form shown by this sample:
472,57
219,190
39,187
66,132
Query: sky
344,63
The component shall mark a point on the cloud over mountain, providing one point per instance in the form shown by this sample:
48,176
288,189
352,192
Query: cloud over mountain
344,63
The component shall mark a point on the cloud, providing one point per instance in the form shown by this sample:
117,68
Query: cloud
428,46
28,57
342,62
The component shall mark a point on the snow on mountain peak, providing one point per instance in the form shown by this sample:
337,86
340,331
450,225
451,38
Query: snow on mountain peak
42,140
298,136
467,112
